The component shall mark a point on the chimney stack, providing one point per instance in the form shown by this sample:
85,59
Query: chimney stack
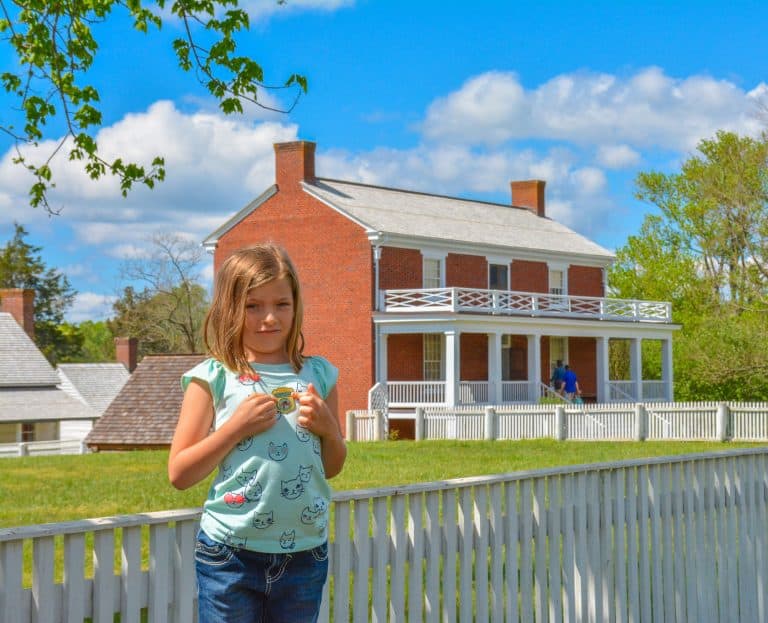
20,303
294,162
529,194
126,352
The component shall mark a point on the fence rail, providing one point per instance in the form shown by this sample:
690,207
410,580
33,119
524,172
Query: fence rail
36,448
681,421
666,539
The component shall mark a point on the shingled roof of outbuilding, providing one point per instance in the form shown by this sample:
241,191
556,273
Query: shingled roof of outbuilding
21,362
95,384
144,413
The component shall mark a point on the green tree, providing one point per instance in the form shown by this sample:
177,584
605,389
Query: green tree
98,343
22,267
54,46
168,313
154,318
707,253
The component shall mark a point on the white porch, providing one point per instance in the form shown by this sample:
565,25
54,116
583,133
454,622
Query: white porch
452,312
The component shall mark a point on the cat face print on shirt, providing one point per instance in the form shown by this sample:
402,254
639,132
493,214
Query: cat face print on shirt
263,520
291,489
277,452
288,539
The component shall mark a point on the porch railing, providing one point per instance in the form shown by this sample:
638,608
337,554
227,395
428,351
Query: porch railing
424,393
669,539
508,302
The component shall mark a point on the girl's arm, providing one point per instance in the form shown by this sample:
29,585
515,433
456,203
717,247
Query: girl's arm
195,450
320,417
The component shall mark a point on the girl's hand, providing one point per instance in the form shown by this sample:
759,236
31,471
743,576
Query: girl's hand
315,414
256,414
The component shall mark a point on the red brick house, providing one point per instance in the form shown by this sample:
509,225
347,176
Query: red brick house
445,300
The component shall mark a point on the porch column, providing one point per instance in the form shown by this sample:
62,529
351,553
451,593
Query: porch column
452,367
534,366
636,367
381,357
603,376
495,395
667,369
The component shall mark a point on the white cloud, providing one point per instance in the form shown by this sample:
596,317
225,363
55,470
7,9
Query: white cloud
647,109
215,165
90,306
617,156
262,9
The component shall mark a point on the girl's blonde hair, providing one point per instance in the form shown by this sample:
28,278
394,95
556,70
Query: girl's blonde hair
242,271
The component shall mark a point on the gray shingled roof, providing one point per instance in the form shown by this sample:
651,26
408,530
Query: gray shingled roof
95,384
21,363
145,411
36,404
411,214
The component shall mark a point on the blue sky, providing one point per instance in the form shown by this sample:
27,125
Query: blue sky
454,98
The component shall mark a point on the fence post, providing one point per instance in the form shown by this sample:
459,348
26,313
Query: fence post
350,431
491,424
378,425
561,423
641,422
723,422
419,425
23,449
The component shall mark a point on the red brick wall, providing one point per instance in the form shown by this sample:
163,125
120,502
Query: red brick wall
400,269
20,303
335,264
474,356
466,271
582,357
585,281
405,357
528,276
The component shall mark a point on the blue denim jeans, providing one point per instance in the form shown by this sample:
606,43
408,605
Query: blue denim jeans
240,586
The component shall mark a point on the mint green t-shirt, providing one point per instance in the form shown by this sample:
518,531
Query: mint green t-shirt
270,494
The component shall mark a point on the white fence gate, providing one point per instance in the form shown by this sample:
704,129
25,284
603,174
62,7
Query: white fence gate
666,539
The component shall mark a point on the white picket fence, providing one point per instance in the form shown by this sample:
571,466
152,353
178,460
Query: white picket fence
38,448
668,539
692,421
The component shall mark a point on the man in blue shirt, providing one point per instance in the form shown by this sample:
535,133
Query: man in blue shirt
571,383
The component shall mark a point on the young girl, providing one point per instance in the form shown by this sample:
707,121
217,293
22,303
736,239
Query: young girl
265,415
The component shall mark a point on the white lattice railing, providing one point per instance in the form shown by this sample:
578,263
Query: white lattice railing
525,303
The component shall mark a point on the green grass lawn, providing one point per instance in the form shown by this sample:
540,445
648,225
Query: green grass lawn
49,489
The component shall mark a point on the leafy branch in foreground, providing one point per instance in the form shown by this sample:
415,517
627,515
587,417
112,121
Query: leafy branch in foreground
54,46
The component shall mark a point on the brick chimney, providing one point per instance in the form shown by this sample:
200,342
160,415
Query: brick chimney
20,303
529,194
126,351
294,162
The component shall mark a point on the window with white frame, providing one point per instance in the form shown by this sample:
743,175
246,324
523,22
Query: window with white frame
431,273
433,357
498,277
556,281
